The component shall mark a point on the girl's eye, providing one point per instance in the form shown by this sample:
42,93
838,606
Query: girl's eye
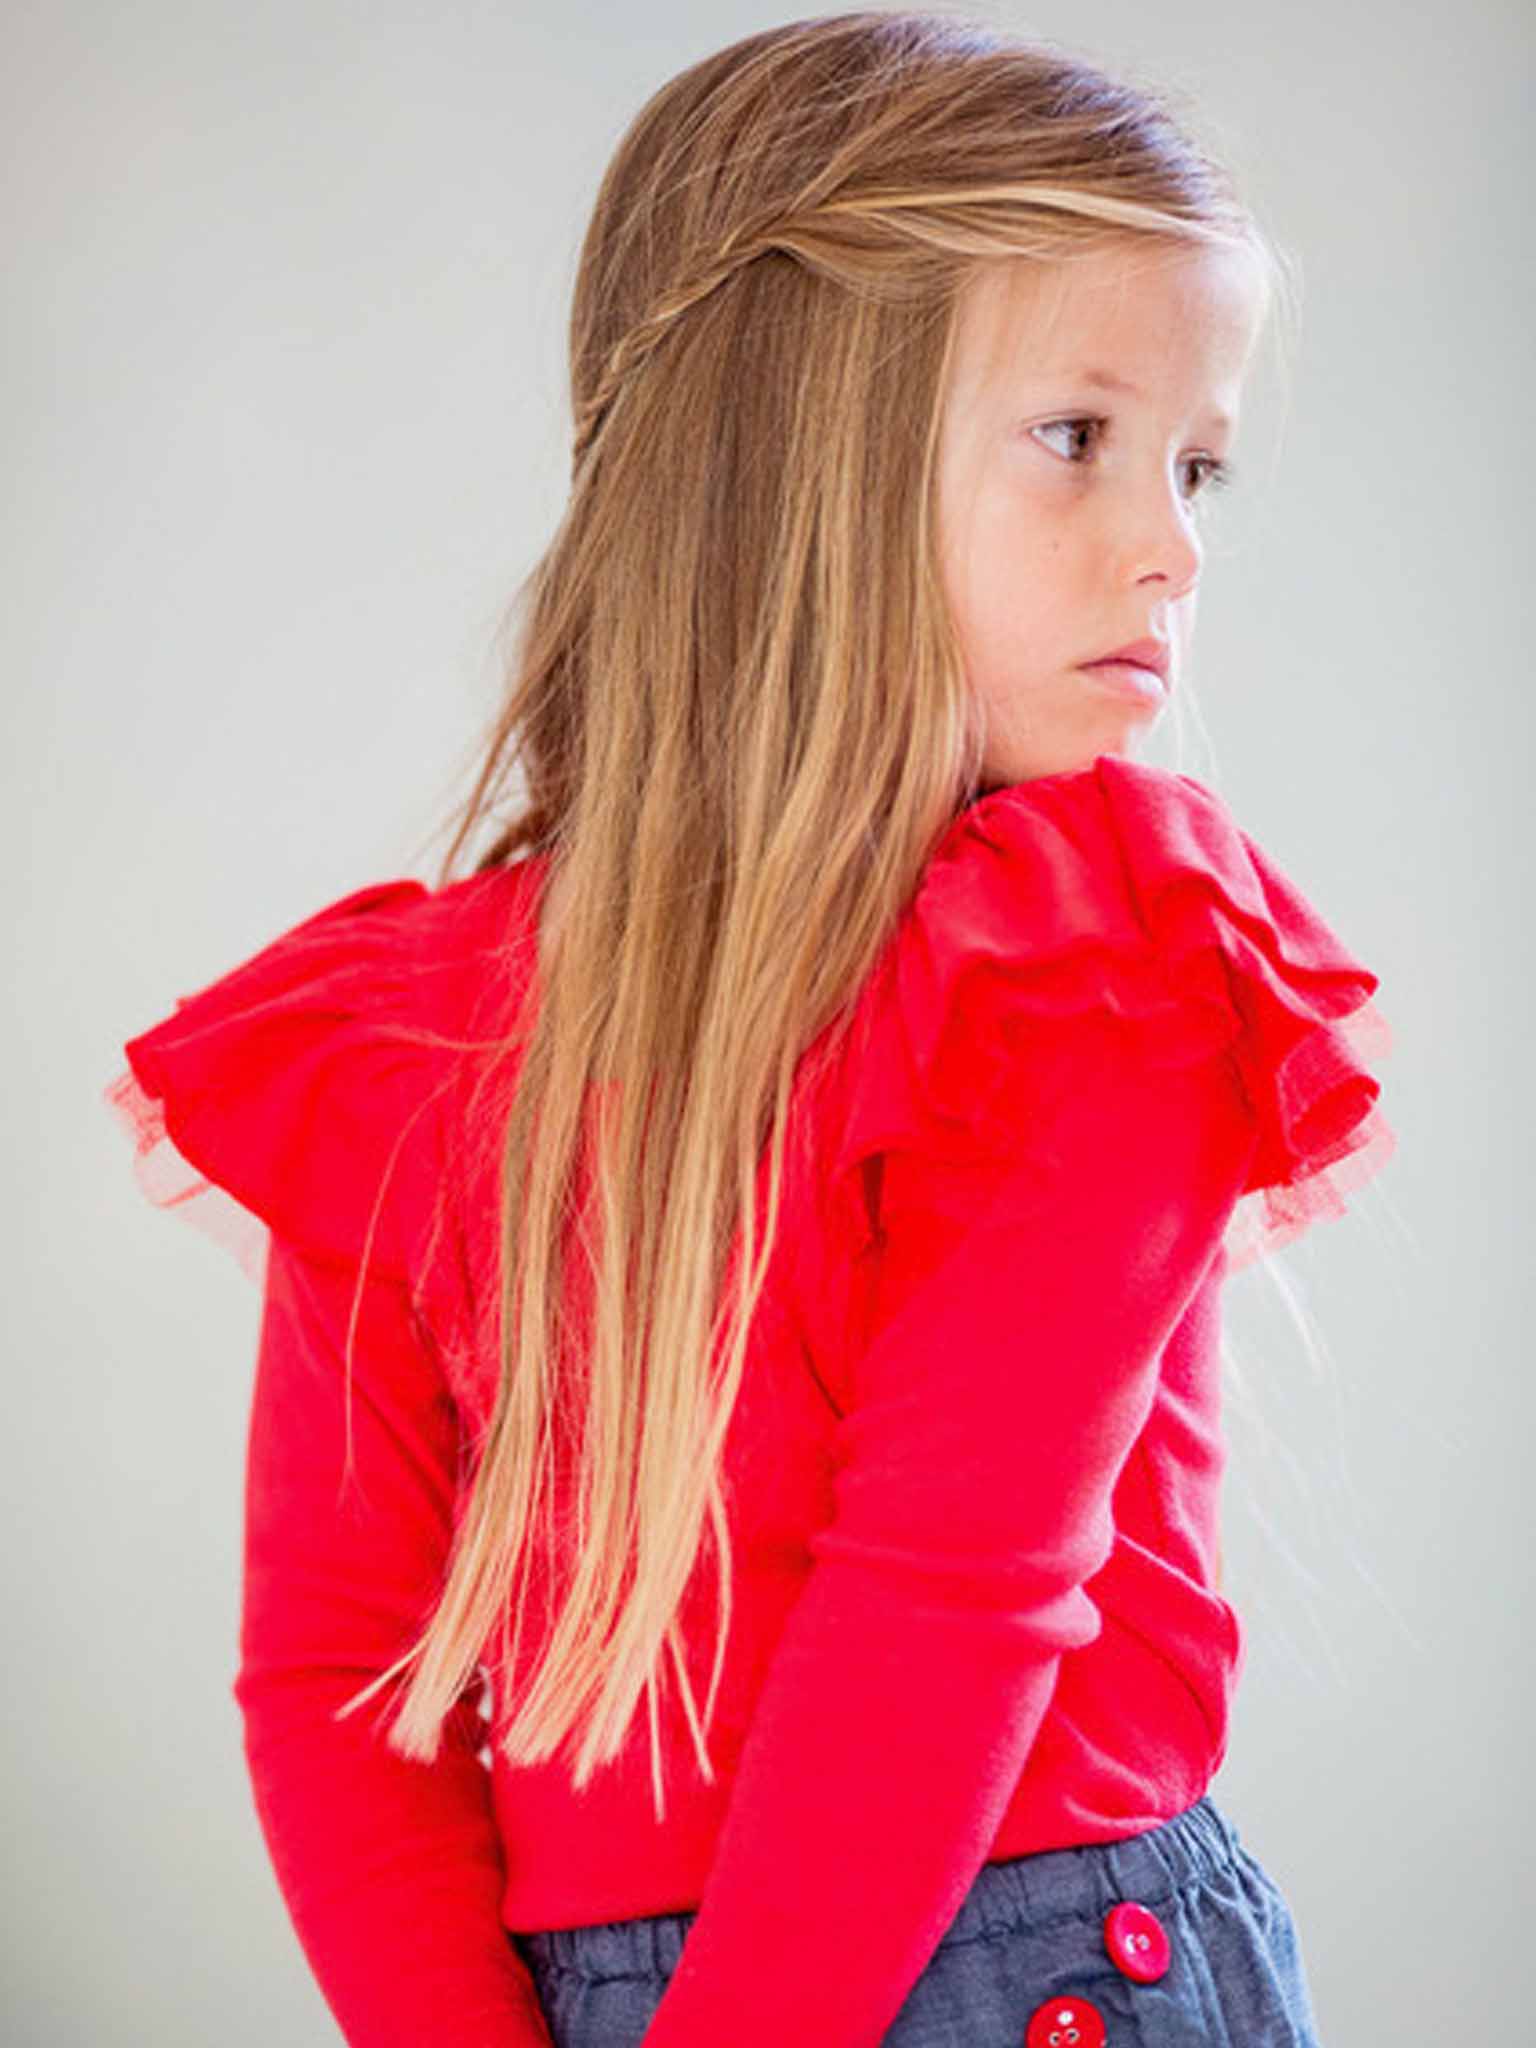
1214,471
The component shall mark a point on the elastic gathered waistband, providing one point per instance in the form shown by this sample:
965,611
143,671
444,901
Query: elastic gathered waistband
1031,1892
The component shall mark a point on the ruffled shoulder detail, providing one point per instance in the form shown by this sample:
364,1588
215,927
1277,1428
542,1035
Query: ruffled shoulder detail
299,1093
1119,896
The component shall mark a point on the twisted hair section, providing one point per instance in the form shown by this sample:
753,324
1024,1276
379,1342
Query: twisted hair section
987,221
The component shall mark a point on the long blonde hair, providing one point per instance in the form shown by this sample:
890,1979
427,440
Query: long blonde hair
742,722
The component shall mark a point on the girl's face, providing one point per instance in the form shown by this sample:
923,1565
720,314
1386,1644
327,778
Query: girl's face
1069,505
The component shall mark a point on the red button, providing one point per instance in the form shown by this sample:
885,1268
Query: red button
1066,2022
1136,1941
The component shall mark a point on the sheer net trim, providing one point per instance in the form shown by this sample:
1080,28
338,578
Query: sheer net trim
1325,1080
172,1183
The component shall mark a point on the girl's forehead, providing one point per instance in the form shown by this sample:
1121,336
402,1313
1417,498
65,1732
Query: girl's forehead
1114,310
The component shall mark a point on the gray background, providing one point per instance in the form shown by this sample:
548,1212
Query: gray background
283,389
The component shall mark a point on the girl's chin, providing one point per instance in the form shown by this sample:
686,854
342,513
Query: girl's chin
1067,761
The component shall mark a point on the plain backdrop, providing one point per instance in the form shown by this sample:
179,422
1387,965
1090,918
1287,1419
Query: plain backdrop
286,421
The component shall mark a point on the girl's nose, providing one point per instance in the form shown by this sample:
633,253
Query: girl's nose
1161,540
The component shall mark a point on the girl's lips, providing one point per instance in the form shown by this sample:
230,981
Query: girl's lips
1149,652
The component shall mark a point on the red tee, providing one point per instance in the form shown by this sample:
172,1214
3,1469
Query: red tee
1109,1053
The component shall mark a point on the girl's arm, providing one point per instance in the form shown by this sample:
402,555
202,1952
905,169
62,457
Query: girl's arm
391,1869
989,1420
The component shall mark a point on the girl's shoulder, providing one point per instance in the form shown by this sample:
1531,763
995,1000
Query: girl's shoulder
303,1089
1119,899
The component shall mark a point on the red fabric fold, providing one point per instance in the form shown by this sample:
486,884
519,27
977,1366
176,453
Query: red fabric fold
297,1092
1121,895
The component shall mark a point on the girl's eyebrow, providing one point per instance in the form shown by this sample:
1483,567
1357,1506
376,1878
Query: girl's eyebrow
1108,381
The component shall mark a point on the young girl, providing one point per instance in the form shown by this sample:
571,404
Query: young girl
947,1059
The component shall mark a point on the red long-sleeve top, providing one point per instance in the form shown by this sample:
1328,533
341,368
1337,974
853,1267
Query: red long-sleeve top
1108,1054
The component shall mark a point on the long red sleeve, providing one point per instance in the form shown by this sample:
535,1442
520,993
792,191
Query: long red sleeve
989,1419
391,1869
